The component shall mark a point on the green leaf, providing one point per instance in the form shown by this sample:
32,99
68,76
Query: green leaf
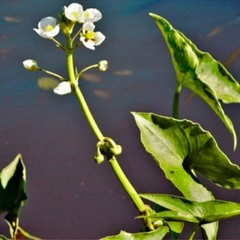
203,212
156,234
13,191
172,144
4,238
180,146
199,72
176,228
174,216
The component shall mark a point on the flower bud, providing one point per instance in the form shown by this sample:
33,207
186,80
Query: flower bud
103,65
116,150
30,65
99,159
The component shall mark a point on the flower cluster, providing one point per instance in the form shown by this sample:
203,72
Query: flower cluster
49,27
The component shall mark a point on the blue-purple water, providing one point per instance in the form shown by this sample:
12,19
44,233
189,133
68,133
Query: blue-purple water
71,197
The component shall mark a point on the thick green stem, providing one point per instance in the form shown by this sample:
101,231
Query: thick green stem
175,113
73,81
117,169
88,114
127,185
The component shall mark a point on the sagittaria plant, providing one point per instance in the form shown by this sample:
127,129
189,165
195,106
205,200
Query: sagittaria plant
180,147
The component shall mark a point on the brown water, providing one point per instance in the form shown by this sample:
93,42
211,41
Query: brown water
70,197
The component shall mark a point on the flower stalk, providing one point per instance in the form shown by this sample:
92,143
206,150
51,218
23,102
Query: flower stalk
53,74
113,161
48,28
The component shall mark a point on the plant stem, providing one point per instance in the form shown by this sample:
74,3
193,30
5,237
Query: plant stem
127,185
73,81
86,69
52,73
113,161
178,88
193,232
26,235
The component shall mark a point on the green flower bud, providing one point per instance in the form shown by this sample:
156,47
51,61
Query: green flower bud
98,158
117,150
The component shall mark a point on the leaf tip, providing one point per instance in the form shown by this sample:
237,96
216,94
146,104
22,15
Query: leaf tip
234,143
153,15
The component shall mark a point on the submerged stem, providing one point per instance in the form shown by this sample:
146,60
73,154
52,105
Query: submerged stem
178,88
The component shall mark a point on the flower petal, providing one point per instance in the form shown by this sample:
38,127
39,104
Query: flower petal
87,43
92,15
48,27
88,26
99,38
74,12
63,88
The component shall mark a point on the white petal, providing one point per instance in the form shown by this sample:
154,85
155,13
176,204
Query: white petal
99,38
47,21
62,88
92,15
88,26
53,32
44,24
40,32
74,12
88,44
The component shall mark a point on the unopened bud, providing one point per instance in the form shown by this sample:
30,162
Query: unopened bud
30,65
103,65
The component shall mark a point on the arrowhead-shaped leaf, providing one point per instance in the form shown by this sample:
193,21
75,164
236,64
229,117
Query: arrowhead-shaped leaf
180,146
202,212
199,72
13,191
157,234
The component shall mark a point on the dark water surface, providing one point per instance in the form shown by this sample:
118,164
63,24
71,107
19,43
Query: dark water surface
71,197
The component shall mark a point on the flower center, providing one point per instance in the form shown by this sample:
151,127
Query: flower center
48,27
75,14
90,35
86,15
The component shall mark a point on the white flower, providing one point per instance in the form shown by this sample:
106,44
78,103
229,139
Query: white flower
63,88
89,38
103,65
74,12
92,15
30,65
48,27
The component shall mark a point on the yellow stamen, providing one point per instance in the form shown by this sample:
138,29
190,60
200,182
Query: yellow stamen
86,14
48,28
75,14
90,35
